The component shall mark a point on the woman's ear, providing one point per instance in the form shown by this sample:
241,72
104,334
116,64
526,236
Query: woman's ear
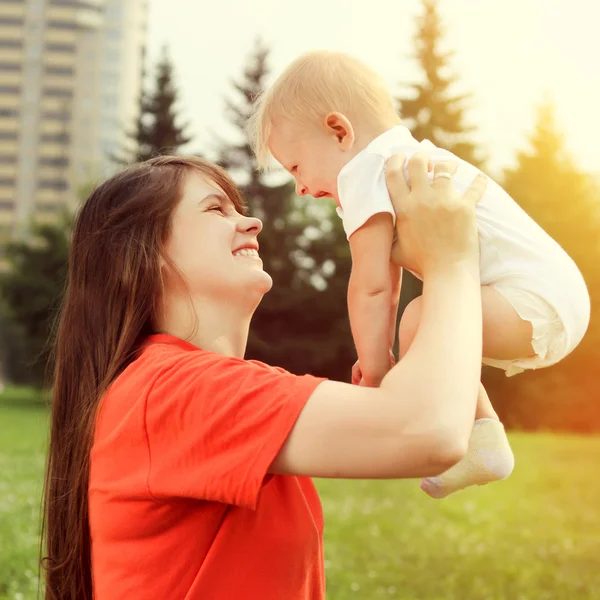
338,125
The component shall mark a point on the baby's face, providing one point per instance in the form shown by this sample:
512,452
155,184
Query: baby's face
311,156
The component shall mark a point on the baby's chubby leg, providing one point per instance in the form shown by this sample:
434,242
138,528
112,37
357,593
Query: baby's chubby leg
489,457
505,335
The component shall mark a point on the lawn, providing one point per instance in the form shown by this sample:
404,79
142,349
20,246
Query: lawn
534,537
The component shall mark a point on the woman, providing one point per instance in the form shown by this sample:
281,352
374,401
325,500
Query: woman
177,469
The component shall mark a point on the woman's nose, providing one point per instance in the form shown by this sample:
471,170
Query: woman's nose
250,225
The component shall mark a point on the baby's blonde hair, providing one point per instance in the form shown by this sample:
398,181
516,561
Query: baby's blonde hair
314,85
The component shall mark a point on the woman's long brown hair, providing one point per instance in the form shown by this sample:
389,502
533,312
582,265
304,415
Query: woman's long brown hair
113,290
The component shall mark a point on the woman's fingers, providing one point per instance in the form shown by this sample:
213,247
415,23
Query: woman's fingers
417,170
476,190
442,174
396,182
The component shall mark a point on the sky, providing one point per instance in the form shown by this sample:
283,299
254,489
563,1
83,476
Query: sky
510,55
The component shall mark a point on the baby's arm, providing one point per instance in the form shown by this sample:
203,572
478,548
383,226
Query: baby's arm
370,296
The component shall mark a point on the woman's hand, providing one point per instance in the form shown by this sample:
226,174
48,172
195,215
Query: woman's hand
435,224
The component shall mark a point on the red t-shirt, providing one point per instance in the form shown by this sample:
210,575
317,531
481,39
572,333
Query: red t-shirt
181,505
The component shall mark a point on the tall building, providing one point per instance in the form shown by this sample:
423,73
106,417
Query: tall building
70,79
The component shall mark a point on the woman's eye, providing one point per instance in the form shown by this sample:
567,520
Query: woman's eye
216,207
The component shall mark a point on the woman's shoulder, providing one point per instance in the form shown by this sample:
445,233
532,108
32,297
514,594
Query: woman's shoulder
162,351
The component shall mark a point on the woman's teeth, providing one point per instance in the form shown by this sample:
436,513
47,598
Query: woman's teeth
246,252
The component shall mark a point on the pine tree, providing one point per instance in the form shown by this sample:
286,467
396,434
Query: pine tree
560,197
430,110
302,322
32,290
271,203
156,130
565,201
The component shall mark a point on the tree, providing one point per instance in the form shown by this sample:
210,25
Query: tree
560,197
566,203
430,110
156,130
32,290
302,323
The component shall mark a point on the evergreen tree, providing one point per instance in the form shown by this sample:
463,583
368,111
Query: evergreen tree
32,290
560,197
156,130
430,110
565,202
302,323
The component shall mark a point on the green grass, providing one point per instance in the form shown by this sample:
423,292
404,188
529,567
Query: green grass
22,444
533,537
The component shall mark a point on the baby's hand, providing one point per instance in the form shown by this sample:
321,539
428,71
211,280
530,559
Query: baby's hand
357,377
372,380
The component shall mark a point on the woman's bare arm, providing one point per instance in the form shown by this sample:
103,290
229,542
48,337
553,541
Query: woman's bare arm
419,421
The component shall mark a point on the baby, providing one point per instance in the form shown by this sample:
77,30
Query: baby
331,122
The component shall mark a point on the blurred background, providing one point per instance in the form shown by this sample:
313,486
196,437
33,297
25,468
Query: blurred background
87,86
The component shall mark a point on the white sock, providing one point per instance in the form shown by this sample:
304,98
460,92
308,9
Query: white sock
489,458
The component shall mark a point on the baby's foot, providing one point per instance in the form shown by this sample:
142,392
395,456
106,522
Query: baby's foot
488,458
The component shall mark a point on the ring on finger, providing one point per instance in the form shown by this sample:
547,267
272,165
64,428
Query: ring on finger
443,174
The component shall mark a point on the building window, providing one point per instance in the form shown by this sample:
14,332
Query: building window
8,159
55,24
77,3
53,161
61,138
7,181
11,43
9,112
7,205
10,89
57,47
10,67
8,135
52,184
56,115
11,21
49,207
58,92
52,70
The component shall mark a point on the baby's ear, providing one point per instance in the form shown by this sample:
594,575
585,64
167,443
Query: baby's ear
339,125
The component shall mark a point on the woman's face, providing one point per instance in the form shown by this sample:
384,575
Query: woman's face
214,246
